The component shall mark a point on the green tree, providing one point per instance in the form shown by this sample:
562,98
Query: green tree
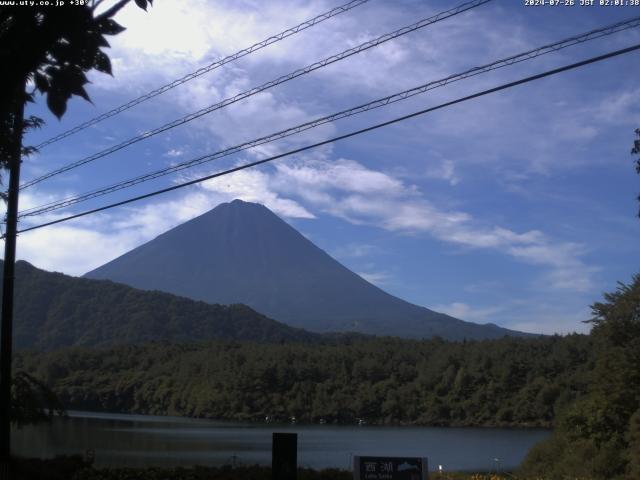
633,467
32,401
597,436
53,48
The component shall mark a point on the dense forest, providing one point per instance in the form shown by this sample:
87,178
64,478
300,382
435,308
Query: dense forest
495,382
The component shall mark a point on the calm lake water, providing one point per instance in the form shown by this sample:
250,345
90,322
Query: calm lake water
142,440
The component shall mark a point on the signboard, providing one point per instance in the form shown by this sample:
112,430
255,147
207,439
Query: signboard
390,468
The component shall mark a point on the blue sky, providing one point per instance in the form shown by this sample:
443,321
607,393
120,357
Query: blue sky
516,208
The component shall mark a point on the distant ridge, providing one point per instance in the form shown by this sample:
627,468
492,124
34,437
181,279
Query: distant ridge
53,310
242,252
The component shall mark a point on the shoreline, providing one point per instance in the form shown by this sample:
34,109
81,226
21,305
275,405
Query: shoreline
150,417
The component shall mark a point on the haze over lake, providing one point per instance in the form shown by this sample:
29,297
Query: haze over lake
142,440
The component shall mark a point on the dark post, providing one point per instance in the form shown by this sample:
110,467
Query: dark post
284,456
6,327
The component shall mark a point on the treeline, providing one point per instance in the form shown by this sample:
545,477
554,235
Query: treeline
507,382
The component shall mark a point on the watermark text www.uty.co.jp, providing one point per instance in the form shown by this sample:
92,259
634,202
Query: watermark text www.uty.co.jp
43,3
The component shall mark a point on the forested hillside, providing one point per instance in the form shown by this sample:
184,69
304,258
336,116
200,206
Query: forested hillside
53,310
497,382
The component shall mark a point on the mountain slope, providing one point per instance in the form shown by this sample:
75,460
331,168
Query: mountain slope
54,310
243,253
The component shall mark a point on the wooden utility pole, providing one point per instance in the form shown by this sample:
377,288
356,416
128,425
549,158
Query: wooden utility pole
6,326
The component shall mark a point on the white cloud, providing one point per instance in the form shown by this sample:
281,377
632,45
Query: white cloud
445,171
341,175
549,319
569,272
254,185
376,278
620,107
523,315
174,152
466,312
72,249
150,52
349,190
157,32
356,250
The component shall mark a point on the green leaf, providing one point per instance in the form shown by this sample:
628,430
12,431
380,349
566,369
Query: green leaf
81,92
57,103
33,122
102,63
101,41
41,81
110,27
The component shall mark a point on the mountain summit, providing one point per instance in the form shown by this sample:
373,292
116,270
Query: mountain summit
242,252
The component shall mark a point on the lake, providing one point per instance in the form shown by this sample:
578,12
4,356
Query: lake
143,440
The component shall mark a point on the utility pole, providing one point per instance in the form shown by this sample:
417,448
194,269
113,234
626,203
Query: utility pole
6,326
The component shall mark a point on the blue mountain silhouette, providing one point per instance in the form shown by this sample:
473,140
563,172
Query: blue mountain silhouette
242,252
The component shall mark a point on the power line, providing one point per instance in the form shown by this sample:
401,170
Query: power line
577,39
206,69
345,136
253,91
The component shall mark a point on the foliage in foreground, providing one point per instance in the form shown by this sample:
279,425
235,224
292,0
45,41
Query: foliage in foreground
54,48
75,468
32,401
253,473
516,382
598,436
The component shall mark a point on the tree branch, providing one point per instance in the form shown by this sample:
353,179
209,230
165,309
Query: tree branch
96,4
113,10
